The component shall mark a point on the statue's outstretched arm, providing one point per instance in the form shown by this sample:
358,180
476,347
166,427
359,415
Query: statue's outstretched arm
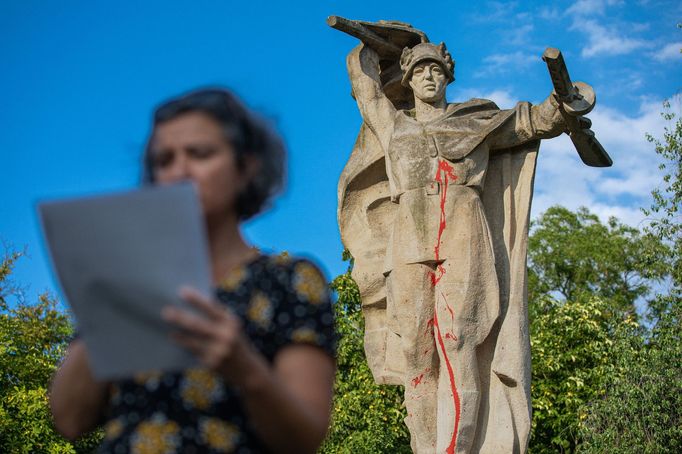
563,111
546,119
376,109
528,122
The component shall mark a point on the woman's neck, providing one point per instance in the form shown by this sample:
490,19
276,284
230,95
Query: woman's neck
227,247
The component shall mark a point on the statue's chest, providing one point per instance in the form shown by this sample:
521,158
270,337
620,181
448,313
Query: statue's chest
417,149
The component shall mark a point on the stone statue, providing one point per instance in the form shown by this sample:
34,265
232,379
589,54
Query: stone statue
434,205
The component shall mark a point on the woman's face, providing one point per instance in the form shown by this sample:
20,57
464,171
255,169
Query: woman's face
192,147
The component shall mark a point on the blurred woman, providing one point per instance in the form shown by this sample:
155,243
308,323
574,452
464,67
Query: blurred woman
265,339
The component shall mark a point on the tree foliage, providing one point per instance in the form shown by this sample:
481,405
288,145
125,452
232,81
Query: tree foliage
572,349
33,338
584,279
573,255
641,409
666,211
367,418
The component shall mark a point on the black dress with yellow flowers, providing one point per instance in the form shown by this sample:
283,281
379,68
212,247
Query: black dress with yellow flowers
281,301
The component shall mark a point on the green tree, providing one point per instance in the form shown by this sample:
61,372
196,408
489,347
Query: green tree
666,211
572,349
573,255
584,279
641,412
367,418
33,338
641,408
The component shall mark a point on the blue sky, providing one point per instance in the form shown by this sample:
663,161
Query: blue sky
80,79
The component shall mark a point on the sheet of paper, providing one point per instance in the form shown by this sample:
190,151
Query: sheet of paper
120,259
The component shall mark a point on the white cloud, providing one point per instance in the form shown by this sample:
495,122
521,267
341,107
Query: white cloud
669,52
496,12
638,27
518,36
501,63
549,14
502,98
591,7
604,41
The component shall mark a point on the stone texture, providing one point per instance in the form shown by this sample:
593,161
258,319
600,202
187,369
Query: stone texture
434,205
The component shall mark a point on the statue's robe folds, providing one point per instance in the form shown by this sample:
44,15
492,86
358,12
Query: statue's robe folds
501,181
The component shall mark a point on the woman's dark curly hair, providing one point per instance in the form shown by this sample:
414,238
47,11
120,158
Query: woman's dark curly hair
248,134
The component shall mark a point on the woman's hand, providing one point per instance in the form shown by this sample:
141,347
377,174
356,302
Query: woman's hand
214,335
288,402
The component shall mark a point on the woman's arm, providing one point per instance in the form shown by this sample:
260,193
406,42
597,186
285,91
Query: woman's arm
376,109
289,402
77,400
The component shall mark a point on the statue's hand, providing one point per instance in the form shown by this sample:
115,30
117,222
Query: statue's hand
363,61
364,54
547,118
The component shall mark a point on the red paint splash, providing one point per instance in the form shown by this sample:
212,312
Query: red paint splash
429,327
417,380
455,394
443,176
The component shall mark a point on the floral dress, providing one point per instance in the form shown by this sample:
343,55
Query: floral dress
281,301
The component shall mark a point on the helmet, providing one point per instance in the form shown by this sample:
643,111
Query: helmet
426,51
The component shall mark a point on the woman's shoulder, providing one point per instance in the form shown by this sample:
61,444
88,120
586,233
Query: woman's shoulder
293,296
301,275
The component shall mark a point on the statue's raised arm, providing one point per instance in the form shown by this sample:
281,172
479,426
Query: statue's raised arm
376,109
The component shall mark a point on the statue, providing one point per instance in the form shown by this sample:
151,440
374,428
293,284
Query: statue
434,205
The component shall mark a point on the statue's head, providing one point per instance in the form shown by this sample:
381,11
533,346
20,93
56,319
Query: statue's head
427,70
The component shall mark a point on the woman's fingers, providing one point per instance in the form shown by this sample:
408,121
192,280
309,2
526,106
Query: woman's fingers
211,353
212,334
191,343
189,322
204,304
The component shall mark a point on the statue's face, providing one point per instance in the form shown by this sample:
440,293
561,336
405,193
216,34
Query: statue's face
428,82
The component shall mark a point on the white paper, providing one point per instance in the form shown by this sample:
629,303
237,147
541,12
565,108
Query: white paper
120,259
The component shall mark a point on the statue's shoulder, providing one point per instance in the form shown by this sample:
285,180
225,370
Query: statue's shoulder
484,103
476,108
475,105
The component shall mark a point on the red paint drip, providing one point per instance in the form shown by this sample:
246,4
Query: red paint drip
417,380
453,387
452,314
444,174
450,336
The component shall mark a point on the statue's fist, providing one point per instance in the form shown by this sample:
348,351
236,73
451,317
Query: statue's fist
547,118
